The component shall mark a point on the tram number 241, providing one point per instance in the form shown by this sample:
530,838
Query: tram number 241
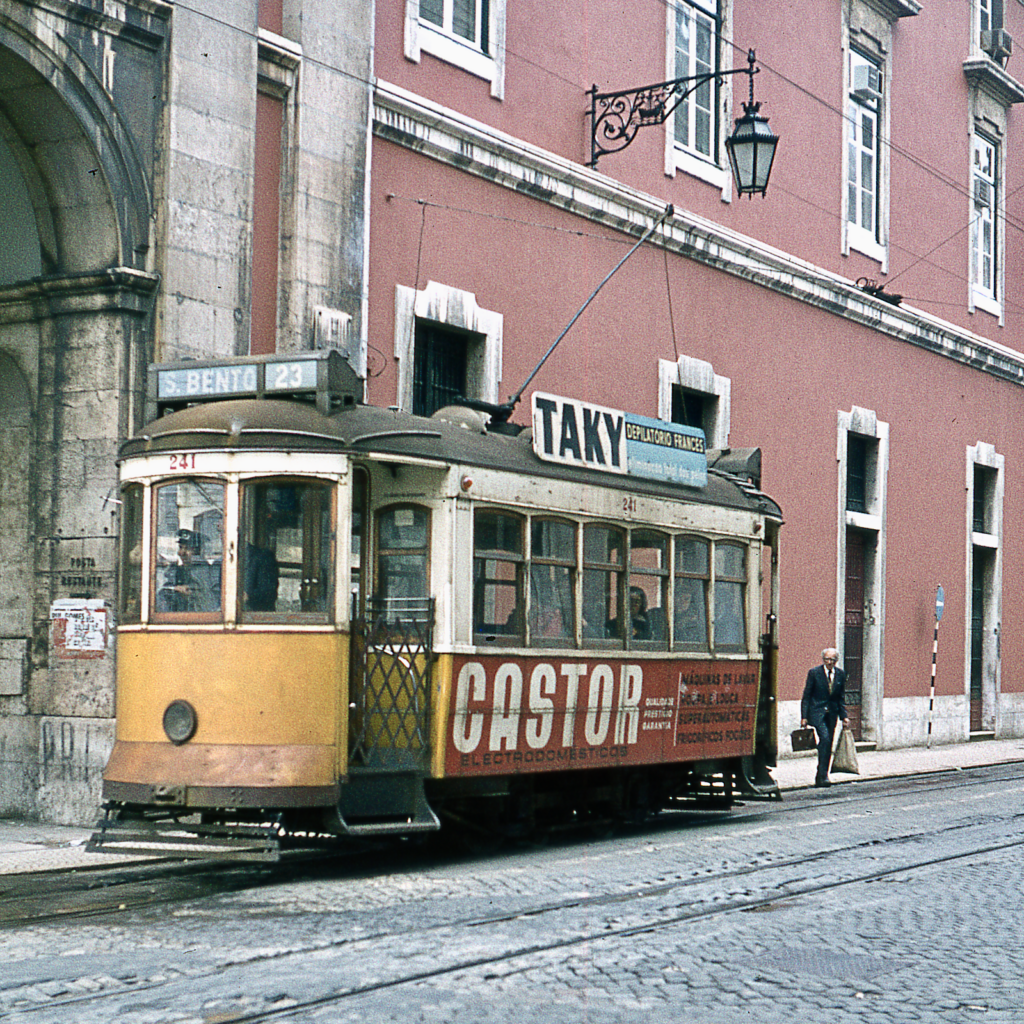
183,463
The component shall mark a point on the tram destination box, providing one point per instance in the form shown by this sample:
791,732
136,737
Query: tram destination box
323,377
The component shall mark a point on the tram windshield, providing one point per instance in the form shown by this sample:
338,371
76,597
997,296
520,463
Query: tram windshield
189,517
284,554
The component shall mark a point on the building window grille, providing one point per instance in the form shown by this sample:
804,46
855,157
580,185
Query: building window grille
856,473
439,368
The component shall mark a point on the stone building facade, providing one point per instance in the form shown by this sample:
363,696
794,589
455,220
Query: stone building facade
163,199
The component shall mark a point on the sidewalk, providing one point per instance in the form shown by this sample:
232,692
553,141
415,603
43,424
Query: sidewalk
797,771
30,846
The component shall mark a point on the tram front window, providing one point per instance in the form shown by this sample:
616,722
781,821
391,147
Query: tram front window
730,596
189,547
285,550
692,574
648,587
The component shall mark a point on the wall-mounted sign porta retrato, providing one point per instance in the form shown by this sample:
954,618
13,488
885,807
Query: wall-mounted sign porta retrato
576,433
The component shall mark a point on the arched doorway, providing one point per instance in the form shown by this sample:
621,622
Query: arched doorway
75,302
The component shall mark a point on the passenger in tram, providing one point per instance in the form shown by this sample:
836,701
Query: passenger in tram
691,626
261,579
640,624
548,623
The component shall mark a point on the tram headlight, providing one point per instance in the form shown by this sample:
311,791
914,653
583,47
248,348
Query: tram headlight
180,721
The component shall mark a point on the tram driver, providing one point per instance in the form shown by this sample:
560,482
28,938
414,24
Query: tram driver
184,589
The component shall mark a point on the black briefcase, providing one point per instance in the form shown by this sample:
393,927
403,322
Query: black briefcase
803,739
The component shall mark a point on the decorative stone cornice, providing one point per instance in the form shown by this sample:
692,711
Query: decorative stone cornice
985,74
117,289
892,10
425,127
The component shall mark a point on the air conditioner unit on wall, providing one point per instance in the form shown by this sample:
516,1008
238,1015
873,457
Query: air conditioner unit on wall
997,44
867,82
982,194
332,328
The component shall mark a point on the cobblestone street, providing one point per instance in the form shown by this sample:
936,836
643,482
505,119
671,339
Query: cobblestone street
891,901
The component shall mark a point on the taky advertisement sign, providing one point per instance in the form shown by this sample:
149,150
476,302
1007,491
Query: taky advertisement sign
577,433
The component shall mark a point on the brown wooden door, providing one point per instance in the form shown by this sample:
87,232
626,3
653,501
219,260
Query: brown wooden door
853,638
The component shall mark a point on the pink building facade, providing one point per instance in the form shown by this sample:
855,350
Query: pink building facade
863,323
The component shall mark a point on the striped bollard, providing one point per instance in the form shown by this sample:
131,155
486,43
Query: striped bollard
940,604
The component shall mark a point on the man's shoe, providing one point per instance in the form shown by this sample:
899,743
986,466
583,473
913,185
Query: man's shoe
822,783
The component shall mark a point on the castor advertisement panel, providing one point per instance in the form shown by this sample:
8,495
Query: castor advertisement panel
511,715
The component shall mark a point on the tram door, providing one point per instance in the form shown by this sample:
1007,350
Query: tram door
853,636
390,669
393,648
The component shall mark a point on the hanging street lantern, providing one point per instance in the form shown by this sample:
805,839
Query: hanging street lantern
751,146
616,117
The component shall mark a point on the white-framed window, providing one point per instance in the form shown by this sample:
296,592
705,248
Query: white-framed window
868,40
864,155
690,392
696,30
470,34
985,253
445,342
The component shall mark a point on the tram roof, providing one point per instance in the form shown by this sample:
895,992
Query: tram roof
450,435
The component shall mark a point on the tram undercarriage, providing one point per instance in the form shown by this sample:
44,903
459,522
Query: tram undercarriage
481,812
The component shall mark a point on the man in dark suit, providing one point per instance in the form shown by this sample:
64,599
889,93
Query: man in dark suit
823,704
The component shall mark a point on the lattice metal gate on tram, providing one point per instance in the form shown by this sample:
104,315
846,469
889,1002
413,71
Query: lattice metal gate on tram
389,718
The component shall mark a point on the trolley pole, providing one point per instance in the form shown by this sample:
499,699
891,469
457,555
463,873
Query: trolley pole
940,604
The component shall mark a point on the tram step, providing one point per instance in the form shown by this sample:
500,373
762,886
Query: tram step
380,828
186,842
756,781
383,803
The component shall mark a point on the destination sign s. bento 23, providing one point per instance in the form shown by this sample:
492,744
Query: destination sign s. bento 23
575,433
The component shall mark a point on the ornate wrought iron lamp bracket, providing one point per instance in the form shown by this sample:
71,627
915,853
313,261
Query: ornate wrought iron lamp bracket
616,117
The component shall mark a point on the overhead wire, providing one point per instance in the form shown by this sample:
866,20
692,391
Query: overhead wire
929,169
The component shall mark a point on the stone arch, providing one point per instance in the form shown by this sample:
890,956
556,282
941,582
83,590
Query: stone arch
86,185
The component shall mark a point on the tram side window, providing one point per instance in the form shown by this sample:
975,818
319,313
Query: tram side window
648,587
131,554
552,581
603,576
730,596
403,537
497,574
189,547
692,577
285,551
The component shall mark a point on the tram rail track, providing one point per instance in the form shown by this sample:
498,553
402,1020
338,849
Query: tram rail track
595,936
775,894
123,888
755,887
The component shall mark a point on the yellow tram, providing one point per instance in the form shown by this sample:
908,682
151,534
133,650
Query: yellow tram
336,619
